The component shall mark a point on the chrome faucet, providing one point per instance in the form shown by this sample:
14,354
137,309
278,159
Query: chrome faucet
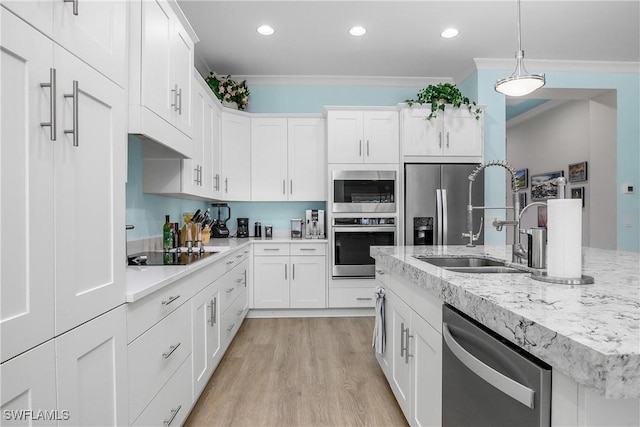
498,224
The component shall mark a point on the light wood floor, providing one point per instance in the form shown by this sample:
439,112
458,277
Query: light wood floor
299,372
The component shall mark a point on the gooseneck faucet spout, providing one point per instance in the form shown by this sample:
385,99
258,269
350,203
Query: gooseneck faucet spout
516,203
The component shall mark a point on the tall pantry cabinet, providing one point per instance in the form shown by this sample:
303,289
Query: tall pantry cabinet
63,128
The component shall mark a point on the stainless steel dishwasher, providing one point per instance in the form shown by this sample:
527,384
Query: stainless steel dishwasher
487,381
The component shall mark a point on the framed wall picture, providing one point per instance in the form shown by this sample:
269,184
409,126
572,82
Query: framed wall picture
542,188
578,193
578,172
542,216
522,176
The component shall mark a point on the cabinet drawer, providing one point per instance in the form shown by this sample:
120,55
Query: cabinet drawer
351,297
233,317
308,249
172,404
271,249
235,258
206,276
143,314
383,275
156,355
231,284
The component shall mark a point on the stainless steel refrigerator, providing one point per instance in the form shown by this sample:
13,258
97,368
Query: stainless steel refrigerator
436,198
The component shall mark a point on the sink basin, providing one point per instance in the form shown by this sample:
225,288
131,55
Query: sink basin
473,265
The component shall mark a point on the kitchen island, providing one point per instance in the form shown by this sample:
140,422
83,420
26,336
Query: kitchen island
588,333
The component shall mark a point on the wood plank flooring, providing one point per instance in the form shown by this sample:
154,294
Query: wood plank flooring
299,372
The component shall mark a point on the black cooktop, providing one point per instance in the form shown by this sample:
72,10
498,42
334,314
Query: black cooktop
167,258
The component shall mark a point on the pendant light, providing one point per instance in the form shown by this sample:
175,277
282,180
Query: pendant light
520,82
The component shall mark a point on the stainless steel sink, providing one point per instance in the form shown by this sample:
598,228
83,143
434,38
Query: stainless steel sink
469,264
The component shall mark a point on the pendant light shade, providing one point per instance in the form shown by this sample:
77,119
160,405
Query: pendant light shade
520,82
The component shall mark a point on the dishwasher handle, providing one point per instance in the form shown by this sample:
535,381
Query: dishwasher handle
511,388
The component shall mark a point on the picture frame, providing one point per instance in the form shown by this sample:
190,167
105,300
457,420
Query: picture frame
522,197
578,193
541,188
577,172
542,216
522,176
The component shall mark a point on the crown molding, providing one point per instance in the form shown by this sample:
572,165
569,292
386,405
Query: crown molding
568,66
342,81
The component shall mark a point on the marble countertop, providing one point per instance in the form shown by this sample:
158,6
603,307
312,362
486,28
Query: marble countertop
589,332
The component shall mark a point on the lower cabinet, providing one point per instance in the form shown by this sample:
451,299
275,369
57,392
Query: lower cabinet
412,361
207,349
289,275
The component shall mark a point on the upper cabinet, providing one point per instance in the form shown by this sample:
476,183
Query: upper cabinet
455,133
363,136
94,31
161,67
287,159
236,156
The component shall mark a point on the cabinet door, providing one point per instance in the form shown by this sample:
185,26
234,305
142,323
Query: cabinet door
344,136
206,335
192,169
236,155
95,31
26,186
216,151
89,203
156,75
206,173
426,351
38,13
182,59
381,137
269,159
399,326
29,384
421,137
463,133
271,282
307,167
308,281
92,371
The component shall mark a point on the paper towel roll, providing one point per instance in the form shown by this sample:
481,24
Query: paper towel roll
564,238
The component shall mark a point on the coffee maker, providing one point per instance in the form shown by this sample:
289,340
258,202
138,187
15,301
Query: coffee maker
314,224
243,227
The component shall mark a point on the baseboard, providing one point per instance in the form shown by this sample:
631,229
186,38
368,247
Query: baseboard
257,313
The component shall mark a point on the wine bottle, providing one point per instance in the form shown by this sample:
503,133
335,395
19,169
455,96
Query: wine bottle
167,238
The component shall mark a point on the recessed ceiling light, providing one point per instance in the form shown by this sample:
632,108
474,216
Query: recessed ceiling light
449,32
265,30
357,31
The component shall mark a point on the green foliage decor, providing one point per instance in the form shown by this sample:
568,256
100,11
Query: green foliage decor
228,90
440,95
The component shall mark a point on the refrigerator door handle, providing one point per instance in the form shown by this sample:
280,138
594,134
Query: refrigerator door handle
445,215
439,216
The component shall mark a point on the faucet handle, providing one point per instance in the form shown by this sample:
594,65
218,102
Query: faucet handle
474,237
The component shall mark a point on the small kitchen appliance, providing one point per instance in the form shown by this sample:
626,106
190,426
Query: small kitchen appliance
257,229
296,228
268,231
243,227
219,227
314,224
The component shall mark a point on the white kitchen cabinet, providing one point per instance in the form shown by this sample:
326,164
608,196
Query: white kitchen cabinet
454,132
289,275
29,384
216,152
207,349
95,31
363,136
287,159
92,371
161,65
236,156
77,177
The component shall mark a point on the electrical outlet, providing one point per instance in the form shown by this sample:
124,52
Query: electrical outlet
627,189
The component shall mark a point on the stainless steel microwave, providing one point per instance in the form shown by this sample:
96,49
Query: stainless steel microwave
364,191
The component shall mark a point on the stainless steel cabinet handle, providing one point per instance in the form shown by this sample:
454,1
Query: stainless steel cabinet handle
402,349
196,170
214,309
170,300
230,290
363,299
174,412
217,182
175,98
240,313
380,272
75,6
367,148
171,350
447,139
360,149
231,261
293,272
245,278
440,139
407,355
307,249
226,185
511,388
284,184
179,97
290,186
74,131
230,328
271,249
285,272
52,104
239,256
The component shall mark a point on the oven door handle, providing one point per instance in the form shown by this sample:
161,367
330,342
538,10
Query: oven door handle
365,229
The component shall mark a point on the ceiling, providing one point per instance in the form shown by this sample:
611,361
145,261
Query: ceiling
403,38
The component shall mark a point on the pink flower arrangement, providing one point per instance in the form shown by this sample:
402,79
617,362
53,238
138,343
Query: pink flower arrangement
228,90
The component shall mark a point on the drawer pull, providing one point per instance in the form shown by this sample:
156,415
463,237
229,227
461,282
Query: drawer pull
214,311
174,412
380,272
239,280
239,256
231,262
245,278
230,290
230,328
240,312
363,299
307,249
170,300
171,350
271,249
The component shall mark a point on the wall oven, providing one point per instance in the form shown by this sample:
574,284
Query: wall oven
364,191
352,238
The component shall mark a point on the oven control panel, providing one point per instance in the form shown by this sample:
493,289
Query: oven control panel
363,221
